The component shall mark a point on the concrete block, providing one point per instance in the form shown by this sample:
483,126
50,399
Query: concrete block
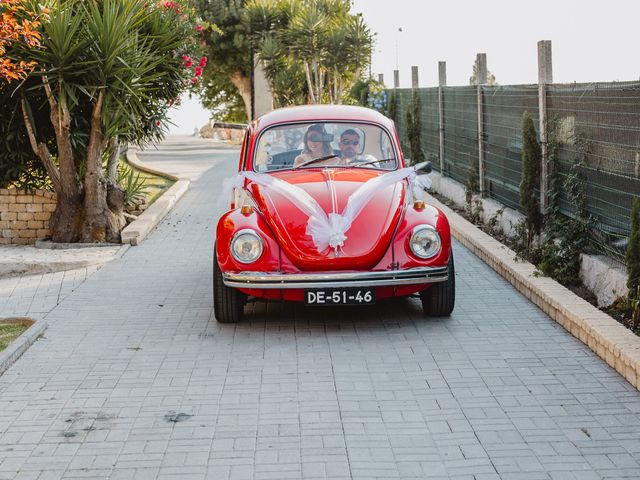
451,189
506,221
606,279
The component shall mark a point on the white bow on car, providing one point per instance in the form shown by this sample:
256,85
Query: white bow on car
330,230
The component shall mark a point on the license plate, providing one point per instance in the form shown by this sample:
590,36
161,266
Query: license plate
340,296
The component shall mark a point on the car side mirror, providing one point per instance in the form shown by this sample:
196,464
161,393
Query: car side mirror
423,168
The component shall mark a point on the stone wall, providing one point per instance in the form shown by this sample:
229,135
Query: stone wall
24,215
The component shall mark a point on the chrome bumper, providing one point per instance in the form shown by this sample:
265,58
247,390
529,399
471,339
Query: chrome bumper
411,276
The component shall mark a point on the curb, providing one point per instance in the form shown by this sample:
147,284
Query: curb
20,345
612,342
46,244
138,230
10,269
132,158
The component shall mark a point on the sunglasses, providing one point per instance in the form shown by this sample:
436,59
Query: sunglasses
351,142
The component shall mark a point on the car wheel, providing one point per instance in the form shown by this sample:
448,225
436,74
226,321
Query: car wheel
439,299
228,303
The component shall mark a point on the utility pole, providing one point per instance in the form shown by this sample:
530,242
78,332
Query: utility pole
399,31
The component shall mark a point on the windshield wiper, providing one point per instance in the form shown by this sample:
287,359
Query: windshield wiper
314,160
371,162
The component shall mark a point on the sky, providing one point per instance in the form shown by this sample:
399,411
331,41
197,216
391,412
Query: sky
591,41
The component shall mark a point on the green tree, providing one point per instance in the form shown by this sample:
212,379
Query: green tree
226,39
633,252
268,23
531,157
107,69
313,42
414,128
392,106
370,93
224,105
473,79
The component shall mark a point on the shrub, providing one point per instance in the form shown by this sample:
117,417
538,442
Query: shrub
392,106
633,252
19,166
531,157
565,238
414,128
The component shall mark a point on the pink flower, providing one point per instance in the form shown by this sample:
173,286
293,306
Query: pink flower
203,62
194,80
198,71
189,64
199,28
186,58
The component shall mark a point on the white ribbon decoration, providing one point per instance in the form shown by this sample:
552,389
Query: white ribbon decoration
234,186
329,230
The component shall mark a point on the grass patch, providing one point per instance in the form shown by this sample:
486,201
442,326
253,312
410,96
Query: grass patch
9,332
154,185
142,187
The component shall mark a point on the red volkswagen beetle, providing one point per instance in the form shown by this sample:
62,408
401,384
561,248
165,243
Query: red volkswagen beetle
325,212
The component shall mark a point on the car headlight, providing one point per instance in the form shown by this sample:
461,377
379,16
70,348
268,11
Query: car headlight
246,246
425,241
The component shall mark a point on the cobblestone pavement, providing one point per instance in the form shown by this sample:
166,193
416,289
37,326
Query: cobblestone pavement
36,295
136,380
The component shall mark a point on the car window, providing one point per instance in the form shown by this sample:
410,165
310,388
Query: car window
324,144
244,152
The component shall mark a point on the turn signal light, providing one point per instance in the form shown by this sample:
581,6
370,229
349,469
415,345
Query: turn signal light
246,210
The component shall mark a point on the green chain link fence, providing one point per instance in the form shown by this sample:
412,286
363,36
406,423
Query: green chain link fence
596,125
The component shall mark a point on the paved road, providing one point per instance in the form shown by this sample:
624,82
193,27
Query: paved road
136,380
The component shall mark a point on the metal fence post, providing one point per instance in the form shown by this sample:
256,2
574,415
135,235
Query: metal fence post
442,82
481,79
381,78
396,79
414,77
545,76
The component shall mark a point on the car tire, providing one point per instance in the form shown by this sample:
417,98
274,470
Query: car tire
439,299
228,303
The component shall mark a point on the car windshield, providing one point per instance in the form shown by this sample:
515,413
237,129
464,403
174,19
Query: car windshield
325,144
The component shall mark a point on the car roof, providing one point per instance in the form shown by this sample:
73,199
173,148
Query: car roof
314,113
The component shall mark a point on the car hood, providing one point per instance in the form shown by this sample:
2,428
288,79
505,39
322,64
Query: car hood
369,235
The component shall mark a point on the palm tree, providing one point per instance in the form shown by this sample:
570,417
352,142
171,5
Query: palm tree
107,69
309,30
316,39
